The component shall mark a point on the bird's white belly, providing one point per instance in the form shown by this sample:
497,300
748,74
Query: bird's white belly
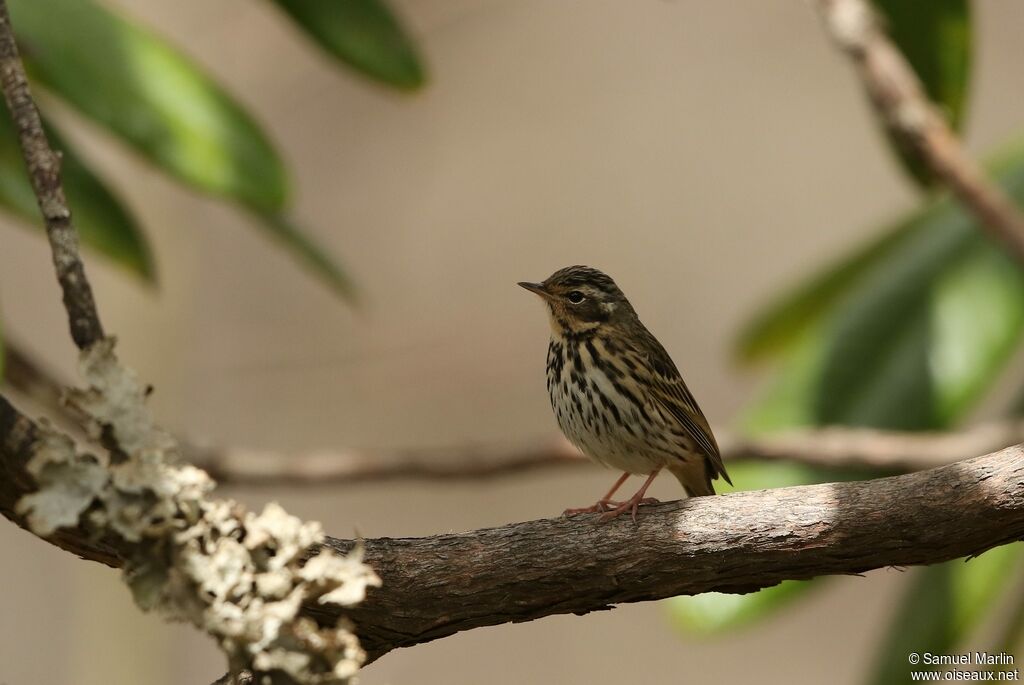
600,432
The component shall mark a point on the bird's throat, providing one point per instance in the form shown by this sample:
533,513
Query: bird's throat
564,326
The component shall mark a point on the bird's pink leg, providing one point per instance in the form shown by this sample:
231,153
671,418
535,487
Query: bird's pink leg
601,504
635,501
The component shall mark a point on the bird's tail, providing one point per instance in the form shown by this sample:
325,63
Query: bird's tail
694,477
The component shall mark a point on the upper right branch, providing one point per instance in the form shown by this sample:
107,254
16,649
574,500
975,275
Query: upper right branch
897,94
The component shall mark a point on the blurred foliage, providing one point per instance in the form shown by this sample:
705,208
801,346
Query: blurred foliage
936,38
908,332
714,612
363,34
783,322
103,223
911,349
1010,638
941,606
316,260
915,329
912,339
164,106
146,92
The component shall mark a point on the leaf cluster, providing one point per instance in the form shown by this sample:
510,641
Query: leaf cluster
909,331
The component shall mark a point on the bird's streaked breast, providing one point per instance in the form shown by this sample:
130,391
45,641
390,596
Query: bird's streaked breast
600,406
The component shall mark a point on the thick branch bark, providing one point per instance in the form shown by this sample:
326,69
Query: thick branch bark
439,585
44,171
898,96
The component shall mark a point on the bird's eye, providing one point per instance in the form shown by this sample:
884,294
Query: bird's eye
575,297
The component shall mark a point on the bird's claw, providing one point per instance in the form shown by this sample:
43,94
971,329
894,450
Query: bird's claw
609,508
598,507
630,505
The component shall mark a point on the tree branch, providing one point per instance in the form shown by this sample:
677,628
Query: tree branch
44,171
900,100
440,585
19,441
736,543
832,447
239,576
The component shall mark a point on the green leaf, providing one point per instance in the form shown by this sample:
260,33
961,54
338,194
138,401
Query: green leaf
765,475
103,223
915,339
979,582
789,317
940,608
935,36
788,401
363,34
1011,637
977,313
145,91
310,254
916,345
922,623
875,370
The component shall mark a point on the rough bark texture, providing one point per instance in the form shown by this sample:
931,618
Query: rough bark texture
439,585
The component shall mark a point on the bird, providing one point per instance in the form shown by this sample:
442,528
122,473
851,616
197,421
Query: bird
616,393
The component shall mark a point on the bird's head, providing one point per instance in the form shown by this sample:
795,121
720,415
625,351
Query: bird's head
581,299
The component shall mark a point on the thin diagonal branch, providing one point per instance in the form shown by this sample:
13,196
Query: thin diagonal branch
898,96
44,171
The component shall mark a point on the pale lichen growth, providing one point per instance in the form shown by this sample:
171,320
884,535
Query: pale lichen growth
68,483
236,574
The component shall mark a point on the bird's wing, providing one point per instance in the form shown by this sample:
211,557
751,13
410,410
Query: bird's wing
670,392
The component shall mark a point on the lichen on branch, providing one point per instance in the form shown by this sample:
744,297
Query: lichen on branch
237,575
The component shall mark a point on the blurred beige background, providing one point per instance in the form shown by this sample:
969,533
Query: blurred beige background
705,154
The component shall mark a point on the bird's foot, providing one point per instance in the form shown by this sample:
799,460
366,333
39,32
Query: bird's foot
630,505
598,507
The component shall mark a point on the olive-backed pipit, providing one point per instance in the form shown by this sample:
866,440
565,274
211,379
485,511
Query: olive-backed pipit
617,395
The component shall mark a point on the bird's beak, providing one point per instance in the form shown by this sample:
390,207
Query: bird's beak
534,288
